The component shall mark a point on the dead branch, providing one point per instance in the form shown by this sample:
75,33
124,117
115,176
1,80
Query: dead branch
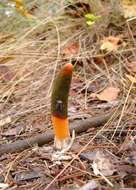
41,139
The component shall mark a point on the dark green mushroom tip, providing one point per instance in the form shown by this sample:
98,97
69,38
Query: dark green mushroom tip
60,92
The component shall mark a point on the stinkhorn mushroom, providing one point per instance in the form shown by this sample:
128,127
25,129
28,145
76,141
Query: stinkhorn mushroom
59,107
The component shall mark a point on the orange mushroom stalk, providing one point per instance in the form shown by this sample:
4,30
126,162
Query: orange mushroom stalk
59,107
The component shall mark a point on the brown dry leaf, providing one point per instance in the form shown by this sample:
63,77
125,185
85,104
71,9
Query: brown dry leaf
71,49
131,78
5,73
104,164
14,131
110,43
109,94
129,8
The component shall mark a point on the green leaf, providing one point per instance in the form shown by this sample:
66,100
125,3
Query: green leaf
89,23
91,17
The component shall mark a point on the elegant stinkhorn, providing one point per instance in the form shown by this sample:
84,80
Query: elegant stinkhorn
59,107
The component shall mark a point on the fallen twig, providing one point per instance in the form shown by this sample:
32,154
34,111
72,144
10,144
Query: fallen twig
41,139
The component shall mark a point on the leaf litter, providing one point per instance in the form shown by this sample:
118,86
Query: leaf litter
109,94
110,43
35,61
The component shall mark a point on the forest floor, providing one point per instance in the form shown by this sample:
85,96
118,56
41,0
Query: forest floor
103,51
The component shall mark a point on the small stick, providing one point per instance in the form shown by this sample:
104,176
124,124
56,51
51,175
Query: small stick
41,139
